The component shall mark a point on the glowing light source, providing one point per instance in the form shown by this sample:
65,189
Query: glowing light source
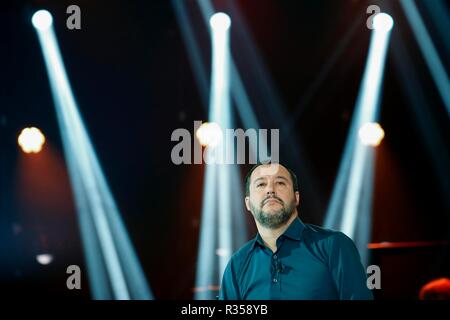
209,134
383,22
42,20
31,140
220,21
371,134
44,258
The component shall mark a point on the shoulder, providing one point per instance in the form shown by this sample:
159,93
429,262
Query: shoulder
326,239
322,234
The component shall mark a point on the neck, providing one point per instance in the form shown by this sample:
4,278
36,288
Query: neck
270,236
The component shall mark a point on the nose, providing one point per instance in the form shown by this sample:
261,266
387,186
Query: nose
270,190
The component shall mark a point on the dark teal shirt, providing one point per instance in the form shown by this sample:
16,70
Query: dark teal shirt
310,263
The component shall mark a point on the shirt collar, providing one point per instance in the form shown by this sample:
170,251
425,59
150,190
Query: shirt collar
294,232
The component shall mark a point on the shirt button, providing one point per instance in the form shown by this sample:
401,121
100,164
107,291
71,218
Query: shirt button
275,280
275,256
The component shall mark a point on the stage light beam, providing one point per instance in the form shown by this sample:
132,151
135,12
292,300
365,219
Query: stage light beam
218,187
351,197
113,268
429,51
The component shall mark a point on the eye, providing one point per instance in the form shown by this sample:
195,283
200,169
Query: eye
282,183
261,184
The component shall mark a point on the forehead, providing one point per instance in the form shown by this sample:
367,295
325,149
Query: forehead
267,171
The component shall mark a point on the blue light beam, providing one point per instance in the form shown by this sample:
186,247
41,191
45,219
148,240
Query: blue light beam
102,230
429,51
356,157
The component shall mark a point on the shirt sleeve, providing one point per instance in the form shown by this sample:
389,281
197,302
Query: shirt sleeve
229,290
347,271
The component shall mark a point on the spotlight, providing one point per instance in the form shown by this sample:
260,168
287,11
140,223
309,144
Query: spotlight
383,22
42,20
371,134
44,258
209,134
31,140
220,21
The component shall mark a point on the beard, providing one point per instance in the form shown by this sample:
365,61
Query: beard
273,219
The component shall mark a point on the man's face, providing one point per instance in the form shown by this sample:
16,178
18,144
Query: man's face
272,199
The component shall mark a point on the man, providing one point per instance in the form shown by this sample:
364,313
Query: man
289,259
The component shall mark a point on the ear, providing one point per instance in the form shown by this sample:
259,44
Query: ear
247,203
297,198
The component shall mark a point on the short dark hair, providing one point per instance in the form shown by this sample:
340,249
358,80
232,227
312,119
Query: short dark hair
249,175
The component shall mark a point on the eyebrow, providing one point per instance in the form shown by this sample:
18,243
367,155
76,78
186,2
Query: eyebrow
284,178
278,177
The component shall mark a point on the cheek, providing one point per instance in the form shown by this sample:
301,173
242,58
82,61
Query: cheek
287,196
255,200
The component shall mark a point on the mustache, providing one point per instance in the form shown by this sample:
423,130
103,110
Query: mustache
271,198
